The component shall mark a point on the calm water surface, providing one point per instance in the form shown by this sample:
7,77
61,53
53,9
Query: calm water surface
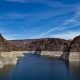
32,67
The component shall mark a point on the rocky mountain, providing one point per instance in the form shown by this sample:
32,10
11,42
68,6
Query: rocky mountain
48,44
45,44
75,44
6,45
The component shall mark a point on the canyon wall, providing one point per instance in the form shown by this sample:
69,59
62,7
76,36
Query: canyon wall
11,49
9,57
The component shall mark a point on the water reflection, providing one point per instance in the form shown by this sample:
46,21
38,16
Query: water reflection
75,70
4,72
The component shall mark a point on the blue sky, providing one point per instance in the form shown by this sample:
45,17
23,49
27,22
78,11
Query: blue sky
30,19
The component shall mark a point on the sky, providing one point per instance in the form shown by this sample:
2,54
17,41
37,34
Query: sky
31,19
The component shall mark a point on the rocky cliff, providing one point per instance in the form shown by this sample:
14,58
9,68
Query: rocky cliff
10,50
75,44
6,45
46,44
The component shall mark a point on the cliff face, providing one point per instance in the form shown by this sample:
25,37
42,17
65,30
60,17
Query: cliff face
6,45
46,44
75,44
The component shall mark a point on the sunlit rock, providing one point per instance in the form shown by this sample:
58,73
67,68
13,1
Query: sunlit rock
1,64
10,57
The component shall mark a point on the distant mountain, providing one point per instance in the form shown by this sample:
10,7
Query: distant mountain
45,44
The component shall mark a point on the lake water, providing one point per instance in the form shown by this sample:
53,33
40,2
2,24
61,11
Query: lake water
32,67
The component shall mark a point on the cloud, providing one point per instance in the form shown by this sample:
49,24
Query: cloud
10,36
66,35
63,9
46,2
57,28
73,20
34,16
22,1
12,16
50,3
44,15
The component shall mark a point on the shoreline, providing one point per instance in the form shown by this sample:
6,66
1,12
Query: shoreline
74,56
13,56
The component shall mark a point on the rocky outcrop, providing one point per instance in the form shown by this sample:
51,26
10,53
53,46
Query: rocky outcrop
7,45
9,57
65,54
75,44
72,52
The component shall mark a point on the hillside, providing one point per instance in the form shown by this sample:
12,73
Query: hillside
75,44
6,45
45,44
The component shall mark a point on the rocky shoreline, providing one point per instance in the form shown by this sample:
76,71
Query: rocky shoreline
74,56
13,56
9,57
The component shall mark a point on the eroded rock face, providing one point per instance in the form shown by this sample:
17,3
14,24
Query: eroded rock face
75,44
46,44
65,54
73,49
9,57
6,45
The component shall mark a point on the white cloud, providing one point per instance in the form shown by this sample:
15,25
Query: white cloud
45,15
25,1
11,16
74,19
50,3
34,16
66,35
56,28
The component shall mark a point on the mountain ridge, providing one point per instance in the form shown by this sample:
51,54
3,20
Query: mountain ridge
45,44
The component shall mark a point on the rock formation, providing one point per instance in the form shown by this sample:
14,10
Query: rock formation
39,45
8,52
65,54
6,45
74,46
46,44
